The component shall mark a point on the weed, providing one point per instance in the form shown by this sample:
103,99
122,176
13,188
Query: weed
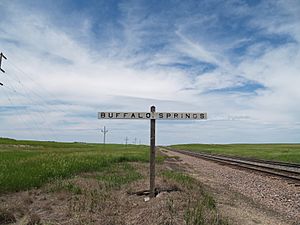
209,201
179,177
201,208
203,212
61,185
73,188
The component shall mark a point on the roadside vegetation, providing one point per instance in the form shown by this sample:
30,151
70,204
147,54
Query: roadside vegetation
201,207
79,183
28,164
278,152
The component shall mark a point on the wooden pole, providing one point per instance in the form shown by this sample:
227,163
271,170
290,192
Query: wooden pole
152,154
2,56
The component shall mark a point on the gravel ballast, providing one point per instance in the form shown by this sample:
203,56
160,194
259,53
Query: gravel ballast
247,197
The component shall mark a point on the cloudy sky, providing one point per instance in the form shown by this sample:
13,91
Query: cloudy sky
237,60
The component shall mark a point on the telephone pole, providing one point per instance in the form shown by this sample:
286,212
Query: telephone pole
135,140
2,56
2,70
104,131
126,141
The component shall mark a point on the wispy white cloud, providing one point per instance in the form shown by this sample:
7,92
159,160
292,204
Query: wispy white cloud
175,61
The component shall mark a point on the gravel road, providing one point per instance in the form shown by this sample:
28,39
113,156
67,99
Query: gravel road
245,196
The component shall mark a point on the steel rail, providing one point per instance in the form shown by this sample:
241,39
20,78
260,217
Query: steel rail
246,164
278,163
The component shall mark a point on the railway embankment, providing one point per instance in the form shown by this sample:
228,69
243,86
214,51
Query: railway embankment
246,196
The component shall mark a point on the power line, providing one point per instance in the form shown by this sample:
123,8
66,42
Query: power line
37,118
27,96
34,99
40,99
19,88
9,99
19,116
38,96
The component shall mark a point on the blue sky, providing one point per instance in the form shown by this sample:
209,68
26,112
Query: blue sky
236,60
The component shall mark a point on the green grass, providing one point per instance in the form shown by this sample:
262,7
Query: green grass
111,177
201,207
118,175
181,178
203,212
277,152
59,185
28,164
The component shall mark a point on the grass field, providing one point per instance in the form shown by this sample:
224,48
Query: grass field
28,164
89,183
277,152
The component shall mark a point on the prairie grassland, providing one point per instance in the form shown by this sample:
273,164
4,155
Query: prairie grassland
277,152
28,164
104,177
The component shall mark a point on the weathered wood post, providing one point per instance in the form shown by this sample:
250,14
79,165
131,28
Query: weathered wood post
152,154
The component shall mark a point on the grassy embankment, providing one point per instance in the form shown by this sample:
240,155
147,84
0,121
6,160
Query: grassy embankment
277,152
28,164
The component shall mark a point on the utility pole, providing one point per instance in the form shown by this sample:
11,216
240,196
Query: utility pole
135,141
2,56
104,131
2,70
126,141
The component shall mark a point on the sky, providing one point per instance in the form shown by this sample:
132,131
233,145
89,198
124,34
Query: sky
67,60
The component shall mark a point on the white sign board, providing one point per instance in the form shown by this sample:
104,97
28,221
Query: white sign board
155,115
180,116
126,115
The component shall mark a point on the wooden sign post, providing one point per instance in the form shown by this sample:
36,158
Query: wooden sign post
152,154
153,116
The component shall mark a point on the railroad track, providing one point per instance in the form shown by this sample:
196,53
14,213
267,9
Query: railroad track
279,169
